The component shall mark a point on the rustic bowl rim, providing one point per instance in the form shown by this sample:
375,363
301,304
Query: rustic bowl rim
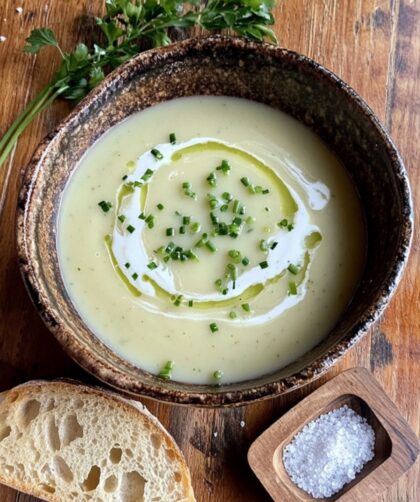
113,376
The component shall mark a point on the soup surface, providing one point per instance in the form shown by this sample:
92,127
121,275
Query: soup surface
210,239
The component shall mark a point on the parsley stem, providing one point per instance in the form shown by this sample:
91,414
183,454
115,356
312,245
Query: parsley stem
22,122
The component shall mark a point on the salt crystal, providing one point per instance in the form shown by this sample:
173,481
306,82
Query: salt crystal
242,423
2,39
19,10
329,452
215,434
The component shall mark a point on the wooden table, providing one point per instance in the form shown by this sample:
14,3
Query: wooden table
374,45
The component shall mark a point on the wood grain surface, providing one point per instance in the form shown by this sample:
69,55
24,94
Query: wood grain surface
374,45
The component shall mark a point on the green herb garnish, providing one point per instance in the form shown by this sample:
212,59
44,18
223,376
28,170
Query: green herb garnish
166,372
211,179
293,269
195,227
218,374
160,206
224,167
172,138
178,300
121,217
292,288
232,315
130,228
246,307
170,232
126,26
152,265
135,275
156,154
211,247
105,206
263,264
214,327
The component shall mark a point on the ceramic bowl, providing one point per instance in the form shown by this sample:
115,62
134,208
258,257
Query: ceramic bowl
279,78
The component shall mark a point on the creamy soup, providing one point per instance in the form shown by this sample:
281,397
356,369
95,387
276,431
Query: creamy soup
210,239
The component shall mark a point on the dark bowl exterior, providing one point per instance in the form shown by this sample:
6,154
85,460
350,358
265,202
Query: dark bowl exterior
227,66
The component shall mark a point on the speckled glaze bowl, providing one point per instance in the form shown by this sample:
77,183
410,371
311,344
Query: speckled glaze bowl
232,67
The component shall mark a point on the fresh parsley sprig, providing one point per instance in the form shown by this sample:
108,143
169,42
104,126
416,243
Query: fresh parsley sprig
128,27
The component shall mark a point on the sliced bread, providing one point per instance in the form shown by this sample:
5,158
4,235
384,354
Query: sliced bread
64,442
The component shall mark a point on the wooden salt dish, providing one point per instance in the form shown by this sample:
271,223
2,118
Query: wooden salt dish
396,445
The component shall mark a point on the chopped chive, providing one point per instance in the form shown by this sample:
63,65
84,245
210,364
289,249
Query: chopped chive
224,208
178,300
224,291
160,206
245,261
152,265
170,231
273,245
227,196
292,288
170,247
290,227
186,185
218,283
224,167
195,227
283,223
214,218
142,216
148,174
293,269
234,253
156,154
150,220
245,181
135,275
105,206
121,217
211,179
186,220
172,138
263,264
263,245
190,303
250,220
137,184
127,265
258,189
130,228
214,327
210,246
251,188
266,191
246,307
233,271
166,372
217,375
124,177
267,209
232,315
236,205
182,229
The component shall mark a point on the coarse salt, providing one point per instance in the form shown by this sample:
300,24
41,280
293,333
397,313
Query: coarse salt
19,10
2,39
329,452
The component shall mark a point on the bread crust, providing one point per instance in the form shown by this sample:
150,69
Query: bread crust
135,409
